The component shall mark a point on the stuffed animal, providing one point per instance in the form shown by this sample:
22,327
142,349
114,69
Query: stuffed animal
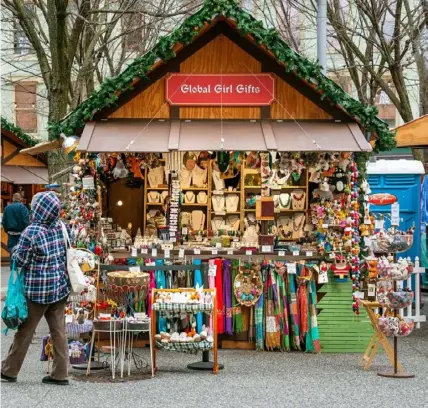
324,192
372,270
339,180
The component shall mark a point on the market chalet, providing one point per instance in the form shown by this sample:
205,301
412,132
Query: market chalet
220,88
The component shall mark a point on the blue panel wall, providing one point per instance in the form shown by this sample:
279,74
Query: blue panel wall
406,187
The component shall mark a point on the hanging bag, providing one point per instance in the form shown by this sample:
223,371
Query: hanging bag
75,274
15,310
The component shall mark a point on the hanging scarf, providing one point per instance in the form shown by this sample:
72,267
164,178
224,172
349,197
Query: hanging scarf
211,285
198,282
285,333
302,301
227,296
236,310
314,343
160,284
219,295
259,321
294,315
272,328
152,285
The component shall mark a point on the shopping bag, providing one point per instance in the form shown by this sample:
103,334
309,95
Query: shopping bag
77,278
15,310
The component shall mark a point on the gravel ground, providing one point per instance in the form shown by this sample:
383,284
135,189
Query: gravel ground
250,379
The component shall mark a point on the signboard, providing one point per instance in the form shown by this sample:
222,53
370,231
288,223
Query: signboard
220,90
382,199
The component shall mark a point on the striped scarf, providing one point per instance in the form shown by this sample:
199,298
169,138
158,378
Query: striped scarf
236,307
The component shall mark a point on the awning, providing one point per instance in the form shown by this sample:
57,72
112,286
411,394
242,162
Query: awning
195,135
132,135
322,136
43,147
24,175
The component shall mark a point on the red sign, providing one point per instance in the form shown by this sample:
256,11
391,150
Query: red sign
218,90
382,199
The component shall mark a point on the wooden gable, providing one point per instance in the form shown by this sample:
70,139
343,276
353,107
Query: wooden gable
221,49
10,155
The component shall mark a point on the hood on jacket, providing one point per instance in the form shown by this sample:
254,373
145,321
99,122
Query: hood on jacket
45,208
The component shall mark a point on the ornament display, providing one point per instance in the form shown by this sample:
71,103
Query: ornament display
248,285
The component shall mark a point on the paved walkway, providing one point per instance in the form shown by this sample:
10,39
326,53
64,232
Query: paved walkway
250,379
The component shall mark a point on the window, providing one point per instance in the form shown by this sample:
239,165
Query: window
25,106
133,26
21,43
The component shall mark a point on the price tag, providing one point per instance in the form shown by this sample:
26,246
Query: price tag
249,252
296,253
144,251
359,295
154,252
167,253
291,268
395,214
325,226
181,253
214,252
173,239
230,251
266,248
212,270
309,253
184,231
197,251
281,253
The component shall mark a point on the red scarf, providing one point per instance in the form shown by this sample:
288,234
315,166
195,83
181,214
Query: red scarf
219,296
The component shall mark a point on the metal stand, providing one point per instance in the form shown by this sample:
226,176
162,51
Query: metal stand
205,364
395,373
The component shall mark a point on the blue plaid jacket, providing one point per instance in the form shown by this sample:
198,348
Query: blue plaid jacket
41,252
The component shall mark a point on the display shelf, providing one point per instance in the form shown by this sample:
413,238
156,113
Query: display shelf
186,347
154,204
252,187
249,209
183,307
283,210
193,188
156,188
219,214
194,205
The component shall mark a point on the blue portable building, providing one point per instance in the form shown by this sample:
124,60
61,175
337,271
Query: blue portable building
401,178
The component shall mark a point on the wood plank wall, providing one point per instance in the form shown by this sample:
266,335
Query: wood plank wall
220,55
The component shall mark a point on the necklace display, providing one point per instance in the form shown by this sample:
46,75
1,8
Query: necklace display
218,181
163,195
189,197
217,223
232,202
233,222
153,197
298,224
218,203
199,176
284,200
298,200
155,177
185,178
198,220
202,197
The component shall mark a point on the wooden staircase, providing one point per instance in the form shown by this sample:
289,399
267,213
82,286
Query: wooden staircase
341,330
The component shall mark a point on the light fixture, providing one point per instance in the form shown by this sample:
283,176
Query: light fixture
119,203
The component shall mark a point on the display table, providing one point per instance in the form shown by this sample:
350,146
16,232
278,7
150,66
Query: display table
378,339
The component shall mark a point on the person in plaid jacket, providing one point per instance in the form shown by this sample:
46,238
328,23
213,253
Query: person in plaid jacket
41,255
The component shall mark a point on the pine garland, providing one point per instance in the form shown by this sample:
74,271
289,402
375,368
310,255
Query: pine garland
302,67
17,131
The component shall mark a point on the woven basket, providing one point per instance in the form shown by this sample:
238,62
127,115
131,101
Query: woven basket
248,286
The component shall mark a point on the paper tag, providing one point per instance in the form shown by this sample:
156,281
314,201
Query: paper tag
291,268
218,245
134,251
196,251
309,253
184,231
395,214
248,252
325,226
144,251
181,253
212,270
214,252
230,251
359,295
266,248
173,239
371,290
167,253
378,224
154,252
296,253
281,253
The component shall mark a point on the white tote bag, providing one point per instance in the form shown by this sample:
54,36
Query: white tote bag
77,277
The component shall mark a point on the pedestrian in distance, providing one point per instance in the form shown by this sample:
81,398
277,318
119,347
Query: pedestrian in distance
15,220
41,255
